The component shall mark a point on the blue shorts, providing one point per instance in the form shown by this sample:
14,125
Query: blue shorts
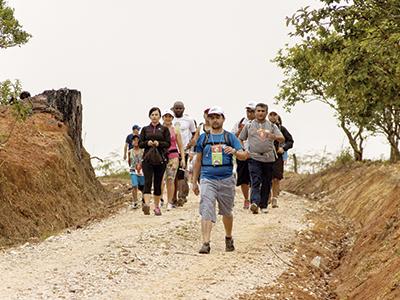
137,180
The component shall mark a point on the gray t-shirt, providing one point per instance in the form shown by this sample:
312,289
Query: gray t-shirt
261,148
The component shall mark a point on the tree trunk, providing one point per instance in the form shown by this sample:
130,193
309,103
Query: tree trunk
358,155
394,151
66,105
355,145
295,164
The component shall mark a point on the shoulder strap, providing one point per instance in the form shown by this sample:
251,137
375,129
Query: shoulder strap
241,121
205,140
227,138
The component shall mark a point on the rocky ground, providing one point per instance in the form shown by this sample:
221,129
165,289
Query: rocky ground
132,256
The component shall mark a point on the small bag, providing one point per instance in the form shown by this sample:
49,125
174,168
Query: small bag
153,157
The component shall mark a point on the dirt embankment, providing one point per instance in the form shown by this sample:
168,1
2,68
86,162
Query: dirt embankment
368,249
46,180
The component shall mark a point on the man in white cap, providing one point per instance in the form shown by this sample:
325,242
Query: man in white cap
214,165
242,167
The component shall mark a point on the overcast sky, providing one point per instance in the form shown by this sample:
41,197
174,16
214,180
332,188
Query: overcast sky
126,56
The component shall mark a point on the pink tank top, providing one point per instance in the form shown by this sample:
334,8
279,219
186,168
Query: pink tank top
173,149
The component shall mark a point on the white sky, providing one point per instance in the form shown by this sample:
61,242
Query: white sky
126,56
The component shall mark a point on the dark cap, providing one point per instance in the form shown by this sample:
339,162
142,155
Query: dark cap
135,127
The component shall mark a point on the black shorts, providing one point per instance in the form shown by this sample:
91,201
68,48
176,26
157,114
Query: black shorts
242,171
181,174
277,168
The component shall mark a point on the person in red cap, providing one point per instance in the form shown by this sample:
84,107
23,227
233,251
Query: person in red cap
214,164
203,127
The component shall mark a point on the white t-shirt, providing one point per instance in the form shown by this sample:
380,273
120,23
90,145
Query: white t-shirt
185,125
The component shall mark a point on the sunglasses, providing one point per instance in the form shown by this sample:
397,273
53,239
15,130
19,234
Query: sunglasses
250,110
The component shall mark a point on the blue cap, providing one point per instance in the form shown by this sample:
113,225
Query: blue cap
135,127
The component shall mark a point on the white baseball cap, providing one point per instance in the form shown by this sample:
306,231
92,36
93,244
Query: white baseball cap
168,112
216,110
252,105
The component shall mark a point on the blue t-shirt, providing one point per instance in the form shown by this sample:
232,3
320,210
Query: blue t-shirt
225,167
129,140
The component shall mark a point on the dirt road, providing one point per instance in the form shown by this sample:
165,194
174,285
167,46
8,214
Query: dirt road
132,256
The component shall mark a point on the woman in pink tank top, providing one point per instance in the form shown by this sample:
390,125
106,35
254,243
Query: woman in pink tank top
173,156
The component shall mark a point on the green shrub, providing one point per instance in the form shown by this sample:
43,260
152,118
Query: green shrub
345,157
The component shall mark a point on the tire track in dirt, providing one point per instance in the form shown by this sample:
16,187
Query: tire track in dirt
132,256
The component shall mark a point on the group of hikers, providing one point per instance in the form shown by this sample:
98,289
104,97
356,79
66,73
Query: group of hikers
172,149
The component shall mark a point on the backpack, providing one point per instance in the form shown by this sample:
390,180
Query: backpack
227,142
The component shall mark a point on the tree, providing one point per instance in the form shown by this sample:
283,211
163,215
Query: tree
9,91
9,95
11,33
312,75
352,63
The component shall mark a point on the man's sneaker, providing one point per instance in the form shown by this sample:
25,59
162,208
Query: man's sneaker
274,202
157,211
146,209
264,210
254,208
134,205
229,247
170,206
246,204
161,202
205,248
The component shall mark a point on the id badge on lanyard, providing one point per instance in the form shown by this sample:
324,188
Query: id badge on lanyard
216,155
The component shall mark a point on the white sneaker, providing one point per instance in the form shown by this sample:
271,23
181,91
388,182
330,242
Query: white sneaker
170,206
134,205
274,202
264,210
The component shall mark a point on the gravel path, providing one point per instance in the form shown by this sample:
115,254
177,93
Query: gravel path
132,256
